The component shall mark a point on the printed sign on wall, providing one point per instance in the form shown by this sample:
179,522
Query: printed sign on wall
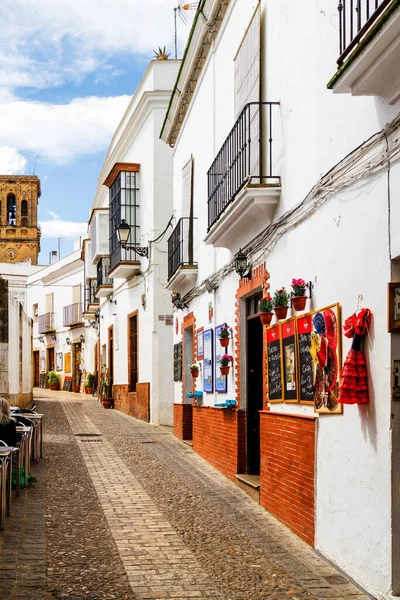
208,361
274,362
220,380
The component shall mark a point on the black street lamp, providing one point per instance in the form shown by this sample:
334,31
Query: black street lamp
242,267
123,233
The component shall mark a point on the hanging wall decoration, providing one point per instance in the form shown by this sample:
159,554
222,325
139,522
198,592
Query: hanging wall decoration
208,362
289,358
353,387
221,385
274,364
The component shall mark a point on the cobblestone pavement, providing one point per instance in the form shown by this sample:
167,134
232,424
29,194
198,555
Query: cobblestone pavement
122,510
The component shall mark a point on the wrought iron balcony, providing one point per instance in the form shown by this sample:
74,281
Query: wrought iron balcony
46,323
356,18
180,246
73,314
245,158
90,294
104,281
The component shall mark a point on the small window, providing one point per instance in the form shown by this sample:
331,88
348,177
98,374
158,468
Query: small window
24,208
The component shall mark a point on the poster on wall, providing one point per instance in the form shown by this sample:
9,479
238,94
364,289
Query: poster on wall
274,364
200,343
67,362
289,356
221,381
208,362
59,361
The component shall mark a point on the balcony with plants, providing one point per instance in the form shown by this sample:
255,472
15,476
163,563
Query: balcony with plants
243,184
182,264
369,49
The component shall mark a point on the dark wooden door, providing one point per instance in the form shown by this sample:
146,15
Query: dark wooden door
77,365
36,368
50,359
254,385
110,358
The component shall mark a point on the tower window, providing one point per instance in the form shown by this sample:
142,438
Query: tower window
11,210
24,208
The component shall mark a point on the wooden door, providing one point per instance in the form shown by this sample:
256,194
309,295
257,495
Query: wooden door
254,385
36,368
50,359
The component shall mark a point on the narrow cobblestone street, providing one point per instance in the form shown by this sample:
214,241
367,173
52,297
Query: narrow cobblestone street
123,510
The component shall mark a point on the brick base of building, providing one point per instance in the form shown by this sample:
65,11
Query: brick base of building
287,480
136,404
219,437
183,415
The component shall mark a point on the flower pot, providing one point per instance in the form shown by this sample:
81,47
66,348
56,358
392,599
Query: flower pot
107,402
299,302
195,374
88,390
266,317
224,370
224,342
280,312
76,389
54,386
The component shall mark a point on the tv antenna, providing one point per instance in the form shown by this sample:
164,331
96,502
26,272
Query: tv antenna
180,11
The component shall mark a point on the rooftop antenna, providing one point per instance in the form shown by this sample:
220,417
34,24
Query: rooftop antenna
34,168
179,10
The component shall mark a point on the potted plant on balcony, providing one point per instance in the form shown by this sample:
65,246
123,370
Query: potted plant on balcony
224,336
54,380
299,297
89,383
194,369
281,303
265,307
104,390
224,363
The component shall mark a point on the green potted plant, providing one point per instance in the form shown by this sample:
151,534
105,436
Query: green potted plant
89,383
265,307
104,390
299,297
224,335
54,380
194,369
281,303
161,53
224,363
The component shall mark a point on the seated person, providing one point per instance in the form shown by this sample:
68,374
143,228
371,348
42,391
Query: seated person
8,432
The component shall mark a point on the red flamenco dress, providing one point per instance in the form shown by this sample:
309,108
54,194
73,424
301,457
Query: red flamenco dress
353,387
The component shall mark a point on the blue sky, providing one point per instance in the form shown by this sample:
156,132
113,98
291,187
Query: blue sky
67,71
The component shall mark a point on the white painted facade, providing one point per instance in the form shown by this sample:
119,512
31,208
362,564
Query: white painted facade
343,247
141,285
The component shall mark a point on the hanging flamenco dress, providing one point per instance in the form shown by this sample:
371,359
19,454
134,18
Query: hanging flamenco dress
353,388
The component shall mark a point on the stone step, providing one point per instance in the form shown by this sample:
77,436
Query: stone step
249,484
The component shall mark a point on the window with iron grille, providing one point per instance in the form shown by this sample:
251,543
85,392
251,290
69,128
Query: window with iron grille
124,204
133,352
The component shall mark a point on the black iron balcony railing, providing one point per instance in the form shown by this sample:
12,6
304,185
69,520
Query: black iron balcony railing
90,294
73,314
103,268
180,246
46,323
243,158
355,19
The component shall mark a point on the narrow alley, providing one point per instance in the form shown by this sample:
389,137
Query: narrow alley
123,510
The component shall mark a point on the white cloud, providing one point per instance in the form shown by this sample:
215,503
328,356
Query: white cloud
11,162
45,43
60,132
56,227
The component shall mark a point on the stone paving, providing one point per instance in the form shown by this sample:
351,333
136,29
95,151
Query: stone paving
122,510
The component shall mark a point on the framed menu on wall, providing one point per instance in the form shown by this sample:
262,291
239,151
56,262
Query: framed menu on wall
208,367
200,343
289,360
306,387
274,363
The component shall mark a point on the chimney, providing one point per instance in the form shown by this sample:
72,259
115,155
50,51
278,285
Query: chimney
53,257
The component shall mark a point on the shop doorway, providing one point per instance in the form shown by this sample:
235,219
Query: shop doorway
36,368
254,384
188,386
77,374
110,358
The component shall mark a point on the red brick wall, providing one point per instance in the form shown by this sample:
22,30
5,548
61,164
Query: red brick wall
219,437
136,404
287,486
183,421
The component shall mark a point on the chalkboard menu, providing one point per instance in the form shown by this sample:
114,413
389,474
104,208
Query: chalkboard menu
178,362
289,359
304,328
67,387
274,361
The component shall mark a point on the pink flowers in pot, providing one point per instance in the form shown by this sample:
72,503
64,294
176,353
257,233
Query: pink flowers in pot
298,287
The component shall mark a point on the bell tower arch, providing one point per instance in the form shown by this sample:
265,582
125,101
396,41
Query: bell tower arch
19,229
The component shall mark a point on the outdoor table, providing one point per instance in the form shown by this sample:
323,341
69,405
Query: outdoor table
37,438
5,456
24,432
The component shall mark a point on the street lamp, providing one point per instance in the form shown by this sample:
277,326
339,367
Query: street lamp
123,233
241,265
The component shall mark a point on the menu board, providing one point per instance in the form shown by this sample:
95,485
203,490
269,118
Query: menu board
274,362
289,359
178,362
208,384
304,328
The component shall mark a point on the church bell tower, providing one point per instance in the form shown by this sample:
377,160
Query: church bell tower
19,230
